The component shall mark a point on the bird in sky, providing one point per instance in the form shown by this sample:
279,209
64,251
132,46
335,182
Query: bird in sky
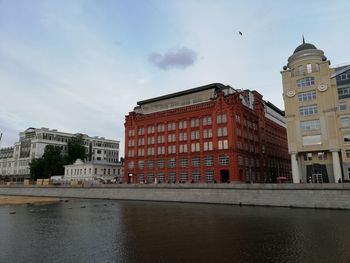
240,33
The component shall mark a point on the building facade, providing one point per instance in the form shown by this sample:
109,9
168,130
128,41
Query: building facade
14,161
93,171
316,98
211,133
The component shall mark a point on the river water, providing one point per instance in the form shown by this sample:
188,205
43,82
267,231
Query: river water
128,231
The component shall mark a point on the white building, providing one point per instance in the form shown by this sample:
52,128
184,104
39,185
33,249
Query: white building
93,171
14,161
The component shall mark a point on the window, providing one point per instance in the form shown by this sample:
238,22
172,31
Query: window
221,118
308,68
182,124
317,67
196,176
346,138
150,178
207,133
224,160
312,140
222,131
342,106
171,163
310,125
209,176
140,178
223,144
182,136
194,123
344,121
206,121
195,135
160,177
160,127
307,96
183,162
161,163
347,153
308,110
208,146
208,160
131,165
322,156
344,91
150,129
171,126
150,164
183,176
305,82
238,118
183,148
141,164
172,177
195,161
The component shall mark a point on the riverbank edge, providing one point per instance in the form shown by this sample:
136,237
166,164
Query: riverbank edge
330,196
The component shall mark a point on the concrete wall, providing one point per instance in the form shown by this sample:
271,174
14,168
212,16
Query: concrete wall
332,196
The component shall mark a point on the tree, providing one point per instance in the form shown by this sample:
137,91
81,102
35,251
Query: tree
50,164
37,168
76,149
53,161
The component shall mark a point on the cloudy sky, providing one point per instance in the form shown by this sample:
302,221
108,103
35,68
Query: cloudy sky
81,65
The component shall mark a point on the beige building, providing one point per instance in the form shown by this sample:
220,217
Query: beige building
14,161
316,98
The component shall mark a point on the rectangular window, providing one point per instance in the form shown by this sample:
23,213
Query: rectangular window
209,176
344,121
183,177
322,156
150,164
307,96
224,160
161,163
346,138
195,161
342,106
196,176
344,91
305,82
312,140
208,160
141,164
183,162
308,110
172,177
171,163
308,68
347,153
310,125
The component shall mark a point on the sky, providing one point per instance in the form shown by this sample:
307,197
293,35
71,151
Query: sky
82,65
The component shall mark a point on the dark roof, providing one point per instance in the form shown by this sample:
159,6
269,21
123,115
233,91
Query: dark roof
217,86
304,46
274,107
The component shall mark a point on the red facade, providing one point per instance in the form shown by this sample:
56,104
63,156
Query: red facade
220,140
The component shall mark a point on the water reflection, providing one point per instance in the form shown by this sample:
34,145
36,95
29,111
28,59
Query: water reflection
111,231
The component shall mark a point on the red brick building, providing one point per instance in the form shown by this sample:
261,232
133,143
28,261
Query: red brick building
211,133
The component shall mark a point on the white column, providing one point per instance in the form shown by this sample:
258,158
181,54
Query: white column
336,166
295,169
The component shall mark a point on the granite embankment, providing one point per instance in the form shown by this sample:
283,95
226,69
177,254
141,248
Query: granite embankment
329,196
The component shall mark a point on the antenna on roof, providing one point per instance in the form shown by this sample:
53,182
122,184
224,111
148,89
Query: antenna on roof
303,40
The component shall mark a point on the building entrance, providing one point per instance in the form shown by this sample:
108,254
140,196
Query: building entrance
317,174
225,176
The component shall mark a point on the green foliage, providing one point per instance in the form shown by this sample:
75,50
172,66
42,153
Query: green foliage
37,168
76,150
50,164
